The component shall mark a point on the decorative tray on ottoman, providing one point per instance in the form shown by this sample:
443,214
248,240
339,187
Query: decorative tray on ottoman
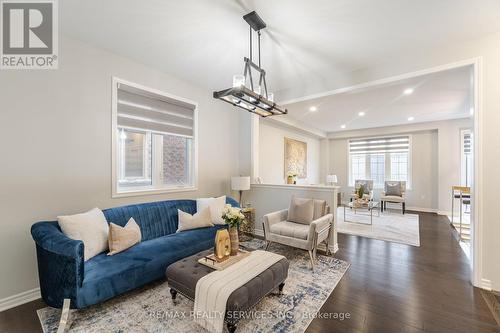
211,262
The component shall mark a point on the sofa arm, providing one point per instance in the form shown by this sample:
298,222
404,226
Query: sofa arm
272,218
60,263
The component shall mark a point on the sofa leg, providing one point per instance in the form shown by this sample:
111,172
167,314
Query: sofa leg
64,316
173,292
281,286
381,206
231,327
312,259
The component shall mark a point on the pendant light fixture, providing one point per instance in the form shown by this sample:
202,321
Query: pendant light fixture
252,98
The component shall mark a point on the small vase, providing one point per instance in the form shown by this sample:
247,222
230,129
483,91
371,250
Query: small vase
235,244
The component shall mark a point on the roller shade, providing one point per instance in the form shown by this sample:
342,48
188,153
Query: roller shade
144,110
467,143
396,144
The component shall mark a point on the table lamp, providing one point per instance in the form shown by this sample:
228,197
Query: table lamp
331,180
241,183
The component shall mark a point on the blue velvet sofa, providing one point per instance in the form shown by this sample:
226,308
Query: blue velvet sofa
64,274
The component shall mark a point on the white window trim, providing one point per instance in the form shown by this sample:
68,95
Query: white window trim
409,182
115,193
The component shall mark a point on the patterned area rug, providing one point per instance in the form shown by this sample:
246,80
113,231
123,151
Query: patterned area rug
391,226
151,309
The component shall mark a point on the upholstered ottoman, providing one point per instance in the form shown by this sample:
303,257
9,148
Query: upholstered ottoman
183,275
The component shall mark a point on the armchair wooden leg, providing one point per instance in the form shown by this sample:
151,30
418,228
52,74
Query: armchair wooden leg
404,208
312,259
267,245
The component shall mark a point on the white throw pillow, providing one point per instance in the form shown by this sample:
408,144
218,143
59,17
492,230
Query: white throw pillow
201,219
90,227
216,206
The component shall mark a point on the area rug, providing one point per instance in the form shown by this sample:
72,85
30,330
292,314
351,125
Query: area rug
151,308
391,226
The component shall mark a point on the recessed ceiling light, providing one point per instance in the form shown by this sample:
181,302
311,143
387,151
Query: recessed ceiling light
361,114
411,118
408,91
313,109
342,126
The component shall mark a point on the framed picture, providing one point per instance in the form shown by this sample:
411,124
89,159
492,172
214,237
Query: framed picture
295,158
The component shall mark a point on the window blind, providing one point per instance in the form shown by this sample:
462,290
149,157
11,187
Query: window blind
395,144
467,143
138,109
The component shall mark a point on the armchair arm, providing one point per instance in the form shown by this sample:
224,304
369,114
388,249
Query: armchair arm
319,224
60,263
272,218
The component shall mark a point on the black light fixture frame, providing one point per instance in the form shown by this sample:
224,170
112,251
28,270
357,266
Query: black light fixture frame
243,97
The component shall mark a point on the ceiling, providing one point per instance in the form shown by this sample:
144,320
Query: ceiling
437,96
306,42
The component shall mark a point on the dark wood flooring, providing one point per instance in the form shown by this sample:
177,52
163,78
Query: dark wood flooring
399,288
388,288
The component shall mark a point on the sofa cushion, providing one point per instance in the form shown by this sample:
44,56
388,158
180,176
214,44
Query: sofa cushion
393,189
122,238
290,229
107,276
89,227
319,208
301,210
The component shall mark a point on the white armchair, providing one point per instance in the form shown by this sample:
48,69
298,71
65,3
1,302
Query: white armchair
368,189
394,191
279,229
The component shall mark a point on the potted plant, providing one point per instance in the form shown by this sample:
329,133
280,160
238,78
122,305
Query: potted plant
233,216
291,178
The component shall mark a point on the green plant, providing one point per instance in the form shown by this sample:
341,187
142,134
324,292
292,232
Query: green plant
360,192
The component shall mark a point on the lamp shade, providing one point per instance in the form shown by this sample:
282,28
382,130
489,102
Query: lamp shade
331,178
240,183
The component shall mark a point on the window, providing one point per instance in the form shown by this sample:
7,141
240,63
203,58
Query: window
358,166
399,166
379,159
154,141
466,158
377,169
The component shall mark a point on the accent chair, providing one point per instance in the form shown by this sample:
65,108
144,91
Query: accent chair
368,189
305,225
394,191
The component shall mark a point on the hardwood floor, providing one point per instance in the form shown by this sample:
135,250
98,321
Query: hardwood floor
388,288
398,288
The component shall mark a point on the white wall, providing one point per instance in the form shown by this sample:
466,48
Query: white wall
56,147
272,153
435,161
424,165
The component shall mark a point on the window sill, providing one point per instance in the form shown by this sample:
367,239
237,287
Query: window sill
144,192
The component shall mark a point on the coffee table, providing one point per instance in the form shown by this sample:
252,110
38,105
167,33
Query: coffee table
369,207
183,275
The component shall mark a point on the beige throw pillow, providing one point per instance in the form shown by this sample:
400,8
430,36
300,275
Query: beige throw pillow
90,227
216,207
301,210
201,219
319,209
122,238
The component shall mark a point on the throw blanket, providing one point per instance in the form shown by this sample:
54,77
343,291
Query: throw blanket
214,289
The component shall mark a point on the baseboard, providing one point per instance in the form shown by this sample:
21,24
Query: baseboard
486,284
423,210
19,299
